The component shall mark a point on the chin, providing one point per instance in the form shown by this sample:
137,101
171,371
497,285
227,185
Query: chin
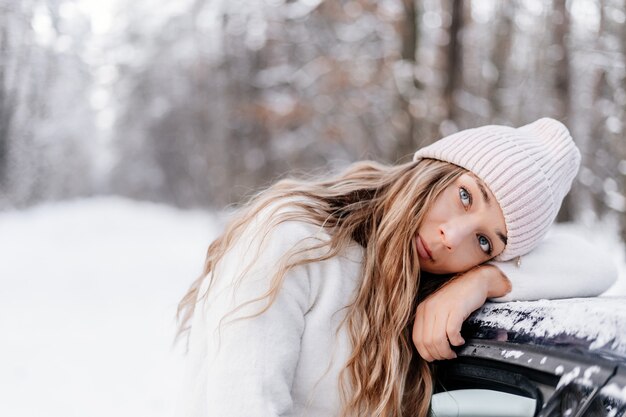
432,270
439,270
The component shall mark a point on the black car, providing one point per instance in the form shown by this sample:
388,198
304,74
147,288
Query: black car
542,358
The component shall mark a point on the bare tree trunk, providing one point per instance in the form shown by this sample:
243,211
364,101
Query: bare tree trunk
620,139
409,30
561,25
454,60
600,90
6,105
598,135
500,56
561,28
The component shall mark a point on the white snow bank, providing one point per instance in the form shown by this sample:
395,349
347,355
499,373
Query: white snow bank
89,291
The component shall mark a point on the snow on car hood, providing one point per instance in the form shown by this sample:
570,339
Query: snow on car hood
599,321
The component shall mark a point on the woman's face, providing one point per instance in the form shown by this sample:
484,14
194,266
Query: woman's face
463,228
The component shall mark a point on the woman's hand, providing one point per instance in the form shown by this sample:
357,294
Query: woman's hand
439,317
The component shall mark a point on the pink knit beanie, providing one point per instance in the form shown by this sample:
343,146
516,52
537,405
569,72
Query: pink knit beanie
529,170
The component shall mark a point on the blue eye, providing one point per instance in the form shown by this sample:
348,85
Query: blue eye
465,196
485,245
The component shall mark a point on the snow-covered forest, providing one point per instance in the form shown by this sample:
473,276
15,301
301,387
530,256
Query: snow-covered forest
197,103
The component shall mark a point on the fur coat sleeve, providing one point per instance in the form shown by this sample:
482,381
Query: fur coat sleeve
563,265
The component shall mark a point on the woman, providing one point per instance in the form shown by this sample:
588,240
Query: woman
331,297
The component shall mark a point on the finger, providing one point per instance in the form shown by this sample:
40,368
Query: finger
440,337
434,337
417,330
430,316
417,327
418,334
425,333
453,329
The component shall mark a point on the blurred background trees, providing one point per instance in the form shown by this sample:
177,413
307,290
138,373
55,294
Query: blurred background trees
200,102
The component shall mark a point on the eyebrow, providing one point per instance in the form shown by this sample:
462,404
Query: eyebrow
487,200
483,191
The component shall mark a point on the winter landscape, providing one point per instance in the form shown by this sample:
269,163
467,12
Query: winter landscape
127,128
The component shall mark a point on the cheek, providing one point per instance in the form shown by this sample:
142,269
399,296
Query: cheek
443,207
439,213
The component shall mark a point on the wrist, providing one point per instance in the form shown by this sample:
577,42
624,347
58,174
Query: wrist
497,284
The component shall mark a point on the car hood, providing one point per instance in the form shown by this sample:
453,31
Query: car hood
594,325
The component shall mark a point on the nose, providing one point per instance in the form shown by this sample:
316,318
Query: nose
454,232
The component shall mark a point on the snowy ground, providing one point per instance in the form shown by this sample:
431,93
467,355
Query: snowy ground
87,302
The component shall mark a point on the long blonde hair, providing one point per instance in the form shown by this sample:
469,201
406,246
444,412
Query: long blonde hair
380,207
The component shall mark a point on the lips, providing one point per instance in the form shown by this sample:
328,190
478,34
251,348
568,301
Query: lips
422,249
